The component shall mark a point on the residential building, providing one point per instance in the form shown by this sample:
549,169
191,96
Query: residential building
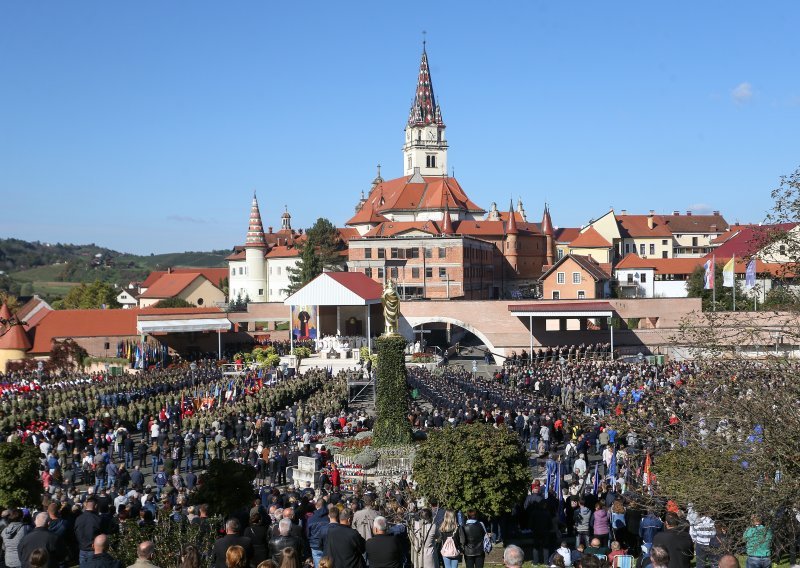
576,277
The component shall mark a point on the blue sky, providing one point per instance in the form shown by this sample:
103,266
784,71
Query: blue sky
145,126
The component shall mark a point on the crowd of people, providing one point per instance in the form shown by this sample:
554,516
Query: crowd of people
121,450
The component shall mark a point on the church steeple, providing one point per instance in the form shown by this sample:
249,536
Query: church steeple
255,230
425,146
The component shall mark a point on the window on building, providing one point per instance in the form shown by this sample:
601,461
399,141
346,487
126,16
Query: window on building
409,162
576,277
641,249
428,252
430,161
368,252
581,295
261,291
412,252
665,242
368,272
199,301
233,272
380,273
560,254
652,249
106,345
561,277
630,278
393,272
381,253
643,277
556,295
694,241
664,254
429,272
442,252
241,270
415,272
627,248
782,250
443,273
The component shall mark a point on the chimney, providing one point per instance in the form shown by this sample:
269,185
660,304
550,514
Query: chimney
676,213
715,213
623,212
169,270
270,230
688,213
652,212
650,221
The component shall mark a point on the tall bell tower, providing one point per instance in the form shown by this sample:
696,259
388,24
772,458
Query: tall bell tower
425,144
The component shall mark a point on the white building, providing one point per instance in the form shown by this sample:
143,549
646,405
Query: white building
258,271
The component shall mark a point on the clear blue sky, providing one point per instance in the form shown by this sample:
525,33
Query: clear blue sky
145,126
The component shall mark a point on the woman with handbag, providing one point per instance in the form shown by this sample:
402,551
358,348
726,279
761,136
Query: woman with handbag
447,538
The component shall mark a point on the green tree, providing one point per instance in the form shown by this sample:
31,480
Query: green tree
695,287
319,251
391,404
781,298
19,475
226,487
173,303
473,466
91,296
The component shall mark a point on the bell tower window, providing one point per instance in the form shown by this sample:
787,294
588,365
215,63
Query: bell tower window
430,161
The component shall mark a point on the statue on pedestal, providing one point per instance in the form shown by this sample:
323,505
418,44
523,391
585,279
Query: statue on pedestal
391,308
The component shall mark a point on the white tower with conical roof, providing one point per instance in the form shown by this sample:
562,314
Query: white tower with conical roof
248,279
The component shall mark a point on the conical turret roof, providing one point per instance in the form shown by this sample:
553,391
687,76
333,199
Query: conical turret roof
424,110
511,225
255,229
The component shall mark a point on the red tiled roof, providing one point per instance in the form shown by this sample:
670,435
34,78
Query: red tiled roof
347,233
394,228
283,252
82,323
213,275
748,240
358,283
590,238
660,265
15,338
366,216
58,324
436,193
5,313
170,285
562,306
592,267
237,254
636,226
696,223
567,234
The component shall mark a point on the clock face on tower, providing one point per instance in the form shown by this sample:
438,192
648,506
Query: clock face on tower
431,135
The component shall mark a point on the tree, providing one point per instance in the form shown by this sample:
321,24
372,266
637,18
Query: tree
173,303
695,287
473,466
319,251
226,487
19,475
391,404
91,297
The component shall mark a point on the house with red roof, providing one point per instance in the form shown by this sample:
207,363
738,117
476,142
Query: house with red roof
576,277
193,287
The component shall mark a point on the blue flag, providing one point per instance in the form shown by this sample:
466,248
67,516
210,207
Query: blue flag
750,274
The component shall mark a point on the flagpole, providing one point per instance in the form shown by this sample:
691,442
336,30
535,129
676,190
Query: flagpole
714,282
734,282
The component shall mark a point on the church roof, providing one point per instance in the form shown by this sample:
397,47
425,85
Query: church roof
424,110
437,193
394,228
367,216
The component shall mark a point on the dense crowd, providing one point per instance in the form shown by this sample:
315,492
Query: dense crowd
120,450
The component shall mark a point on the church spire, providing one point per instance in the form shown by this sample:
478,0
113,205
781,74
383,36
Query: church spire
255,229
511,225
424,110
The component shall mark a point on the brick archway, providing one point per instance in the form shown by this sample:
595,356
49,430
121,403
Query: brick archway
407,325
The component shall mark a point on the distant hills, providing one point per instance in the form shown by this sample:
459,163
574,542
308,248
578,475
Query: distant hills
51,269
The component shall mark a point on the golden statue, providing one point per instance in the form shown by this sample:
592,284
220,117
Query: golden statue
391,308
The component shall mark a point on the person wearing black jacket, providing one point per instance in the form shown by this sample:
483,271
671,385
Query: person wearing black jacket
41,537
676,542
259,535
383,550
344,545
87,527
284,540
231,538
469,539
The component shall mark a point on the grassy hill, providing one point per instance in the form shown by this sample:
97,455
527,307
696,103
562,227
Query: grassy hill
50,270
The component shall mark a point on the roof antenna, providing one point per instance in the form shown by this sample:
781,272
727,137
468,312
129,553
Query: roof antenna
453,169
